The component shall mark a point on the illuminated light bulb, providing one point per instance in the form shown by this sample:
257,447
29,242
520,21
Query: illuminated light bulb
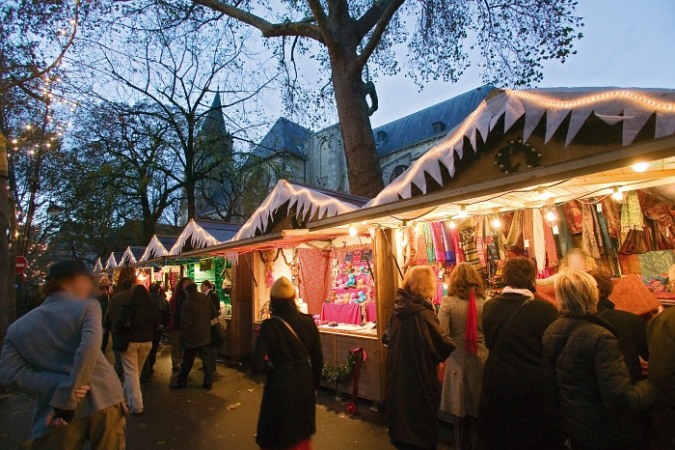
544,194
452,225
31,152
496,223
641,166
353,231
616,194
28,127
15,141
462,214
550,216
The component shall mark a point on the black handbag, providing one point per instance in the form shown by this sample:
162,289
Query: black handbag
218,331
121,335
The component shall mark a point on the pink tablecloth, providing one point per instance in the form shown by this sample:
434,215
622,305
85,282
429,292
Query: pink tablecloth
371,312
341,313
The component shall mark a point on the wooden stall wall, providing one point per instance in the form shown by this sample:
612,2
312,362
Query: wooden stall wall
240,332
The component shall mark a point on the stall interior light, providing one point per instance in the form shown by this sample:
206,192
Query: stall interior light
496,223
544,194
641,166
550,216
617,194
452,225
353,231
462,214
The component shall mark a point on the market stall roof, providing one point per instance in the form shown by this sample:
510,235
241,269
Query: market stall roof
420,191
301,202
98,266
158,247
131,255
111,263
203,233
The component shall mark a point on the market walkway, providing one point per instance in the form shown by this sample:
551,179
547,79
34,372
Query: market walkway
195,419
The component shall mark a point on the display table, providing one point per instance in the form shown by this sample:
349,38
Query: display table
371,312
341,313
336,344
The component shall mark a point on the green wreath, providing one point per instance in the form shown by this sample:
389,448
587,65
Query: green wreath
339,373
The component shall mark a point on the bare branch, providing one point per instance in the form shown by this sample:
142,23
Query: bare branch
384,11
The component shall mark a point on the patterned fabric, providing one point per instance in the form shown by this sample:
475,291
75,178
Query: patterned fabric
574,216
653,263
469,247
564,236
431,255
481,250
314,278
437,237
604,231
611,210
660,213
589,241
459,252
514,239
538,239
422,257
528,231
450,256
631,214
551,251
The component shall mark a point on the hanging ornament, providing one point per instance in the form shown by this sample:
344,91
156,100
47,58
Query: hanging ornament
503,157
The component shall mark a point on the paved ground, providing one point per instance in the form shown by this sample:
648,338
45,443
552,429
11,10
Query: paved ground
195,419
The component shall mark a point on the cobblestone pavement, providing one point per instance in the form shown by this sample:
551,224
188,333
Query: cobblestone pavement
224,418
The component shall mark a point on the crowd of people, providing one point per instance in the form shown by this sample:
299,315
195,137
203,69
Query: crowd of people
513,371
518,373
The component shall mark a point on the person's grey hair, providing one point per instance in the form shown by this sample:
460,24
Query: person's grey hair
577,293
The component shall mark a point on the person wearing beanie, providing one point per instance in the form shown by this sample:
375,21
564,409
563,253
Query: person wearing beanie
78,395
289,350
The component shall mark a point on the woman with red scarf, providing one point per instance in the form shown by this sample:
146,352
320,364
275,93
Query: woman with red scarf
461,318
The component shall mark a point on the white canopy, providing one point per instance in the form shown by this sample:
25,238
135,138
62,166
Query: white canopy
154,249
98,266
111,263
307,202
632,107
194,233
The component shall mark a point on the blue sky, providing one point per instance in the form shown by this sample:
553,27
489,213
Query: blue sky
626,43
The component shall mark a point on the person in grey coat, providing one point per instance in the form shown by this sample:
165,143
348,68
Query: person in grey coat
54,353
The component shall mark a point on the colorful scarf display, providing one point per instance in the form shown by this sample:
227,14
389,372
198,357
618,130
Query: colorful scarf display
437,238
589,241
514,239
574,216
538,239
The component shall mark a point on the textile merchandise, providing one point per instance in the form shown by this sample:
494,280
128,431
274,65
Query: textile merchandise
314,277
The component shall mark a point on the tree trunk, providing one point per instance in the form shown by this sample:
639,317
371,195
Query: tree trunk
7,294
363,168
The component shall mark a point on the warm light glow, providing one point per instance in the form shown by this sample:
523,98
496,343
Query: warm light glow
462,214
353,231
641,166
616,194
595,98
402,238
28,127
544,194
15,141
550,216
452,225
496,223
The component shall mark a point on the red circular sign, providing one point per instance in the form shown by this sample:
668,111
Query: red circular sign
21,265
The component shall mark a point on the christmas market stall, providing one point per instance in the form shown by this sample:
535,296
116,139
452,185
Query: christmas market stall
332,271
111,263
98,266
155,264
540,173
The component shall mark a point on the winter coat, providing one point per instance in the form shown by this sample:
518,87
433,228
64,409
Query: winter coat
518,406
415,347
661,333
143,318
631,332
464,370
176,309
598,400
114,309
195,321
288,409
104,301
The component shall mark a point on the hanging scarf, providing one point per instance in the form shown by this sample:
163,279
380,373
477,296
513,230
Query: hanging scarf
551,251
528,232
421,245
564,237
631,213
450,257
538,240
611,209
573,215
471,333
431,255
437,238
514,239
459,252
589,241
481,226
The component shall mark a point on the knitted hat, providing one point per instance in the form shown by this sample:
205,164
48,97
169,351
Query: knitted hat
283,289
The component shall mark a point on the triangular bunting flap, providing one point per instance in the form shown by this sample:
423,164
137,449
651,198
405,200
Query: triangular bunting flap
633,122
609,120
483,124
514,110
665,124
533,115
554,117
577,120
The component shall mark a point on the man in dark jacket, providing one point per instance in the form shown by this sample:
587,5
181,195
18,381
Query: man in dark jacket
518,406
289,347
661,335
415,348
196,314
159,300
176,305
105,292
117,303
208,290
630,329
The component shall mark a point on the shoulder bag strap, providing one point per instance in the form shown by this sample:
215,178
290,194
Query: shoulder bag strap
511,317
293,333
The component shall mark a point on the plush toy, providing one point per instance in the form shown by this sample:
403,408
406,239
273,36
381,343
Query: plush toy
362,297
360,283
351,281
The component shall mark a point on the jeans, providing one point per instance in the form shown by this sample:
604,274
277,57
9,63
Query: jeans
188,361
132,361
176,350
104,430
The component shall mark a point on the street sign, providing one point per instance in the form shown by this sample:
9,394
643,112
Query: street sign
21,265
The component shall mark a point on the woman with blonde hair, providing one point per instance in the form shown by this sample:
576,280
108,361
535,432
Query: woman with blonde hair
415,348
461,316
598,399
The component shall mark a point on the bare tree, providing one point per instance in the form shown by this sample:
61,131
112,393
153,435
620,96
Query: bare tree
513,38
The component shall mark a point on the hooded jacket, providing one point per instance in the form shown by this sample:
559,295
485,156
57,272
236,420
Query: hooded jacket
412,390
597,396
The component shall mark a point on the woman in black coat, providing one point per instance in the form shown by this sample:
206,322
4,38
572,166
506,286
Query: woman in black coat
518,406
598,399
415,347
289,348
